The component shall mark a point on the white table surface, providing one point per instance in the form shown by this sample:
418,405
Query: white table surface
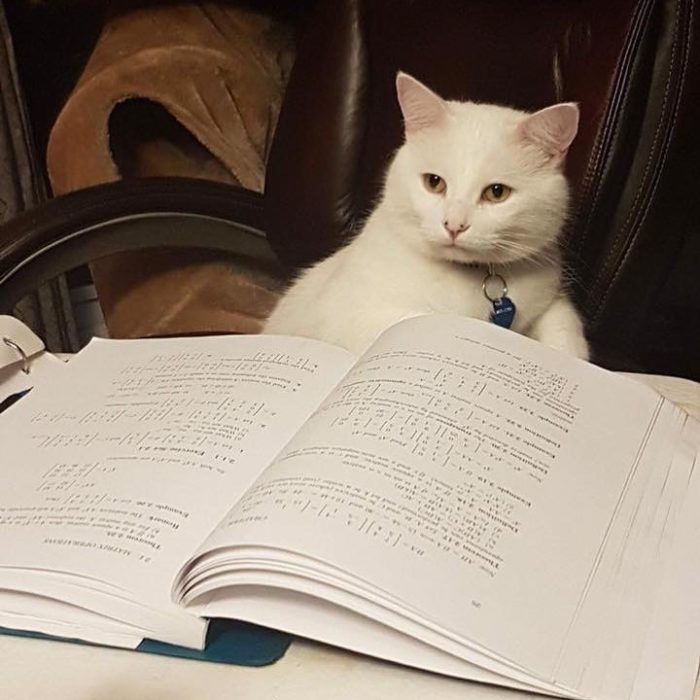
33,669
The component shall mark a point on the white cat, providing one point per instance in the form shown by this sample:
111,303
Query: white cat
474,188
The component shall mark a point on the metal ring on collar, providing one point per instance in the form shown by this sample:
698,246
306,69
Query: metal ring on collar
494,276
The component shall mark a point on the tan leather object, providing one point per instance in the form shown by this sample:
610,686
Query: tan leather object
187,90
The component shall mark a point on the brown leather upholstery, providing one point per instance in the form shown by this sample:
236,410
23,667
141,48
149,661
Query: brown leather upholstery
634,239
176,89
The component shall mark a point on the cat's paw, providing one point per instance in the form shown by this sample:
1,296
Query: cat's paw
561,328
571,343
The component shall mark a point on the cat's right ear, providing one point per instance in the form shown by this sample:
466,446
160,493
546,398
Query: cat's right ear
420,106
552,128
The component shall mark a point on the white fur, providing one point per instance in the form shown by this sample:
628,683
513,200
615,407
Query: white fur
404,262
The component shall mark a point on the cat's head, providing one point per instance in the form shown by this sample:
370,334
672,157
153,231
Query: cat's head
482,183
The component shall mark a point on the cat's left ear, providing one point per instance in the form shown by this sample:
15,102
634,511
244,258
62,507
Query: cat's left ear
420,106
552,129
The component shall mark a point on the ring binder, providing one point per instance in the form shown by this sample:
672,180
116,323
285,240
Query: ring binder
25,360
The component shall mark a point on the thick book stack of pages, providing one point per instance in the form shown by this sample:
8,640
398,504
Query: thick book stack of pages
460,499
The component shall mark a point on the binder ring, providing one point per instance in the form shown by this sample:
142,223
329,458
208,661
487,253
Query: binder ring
25,360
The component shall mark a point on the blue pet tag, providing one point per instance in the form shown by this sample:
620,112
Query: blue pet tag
503,312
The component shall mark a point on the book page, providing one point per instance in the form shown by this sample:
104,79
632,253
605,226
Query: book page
116,468
464,471
683,392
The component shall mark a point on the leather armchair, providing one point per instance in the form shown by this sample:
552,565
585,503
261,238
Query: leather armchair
632,65
633,242
76,228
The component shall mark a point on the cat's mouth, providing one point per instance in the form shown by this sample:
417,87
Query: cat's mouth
479,252
510,245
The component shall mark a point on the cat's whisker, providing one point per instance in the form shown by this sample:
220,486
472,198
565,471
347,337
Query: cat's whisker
525,253
537,254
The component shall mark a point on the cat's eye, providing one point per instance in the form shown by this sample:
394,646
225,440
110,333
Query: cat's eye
434,183
497,192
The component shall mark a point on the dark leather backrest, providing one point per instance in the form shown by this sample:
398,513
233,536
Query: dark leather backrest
21,183
626,62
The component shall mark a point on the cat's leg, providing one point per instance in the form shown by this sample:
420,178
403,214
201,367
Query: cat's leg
560,327
365,328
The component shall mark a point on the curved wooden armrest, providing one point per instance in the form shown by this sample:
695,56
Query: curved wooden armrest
128,215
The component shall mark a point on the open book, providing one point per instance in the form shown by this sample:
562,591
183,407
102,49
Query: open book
460,498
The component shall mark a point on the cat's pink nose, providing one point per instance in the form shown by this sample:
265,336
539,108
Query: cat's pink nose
455,229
